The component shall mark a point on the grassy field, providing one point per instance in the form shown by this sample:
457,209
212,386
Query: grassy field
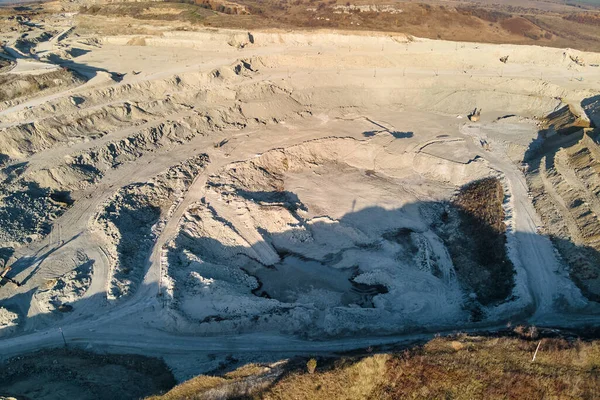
459,367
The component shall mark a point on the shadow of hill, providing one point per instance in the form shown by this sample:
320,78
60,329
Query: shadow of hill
288,199
25,262
477,250
80,374
83,70
134,220
584,265
396,225
591,106
19,304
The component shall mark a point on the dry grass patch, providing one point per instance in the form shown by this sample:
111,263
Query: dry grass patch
346,379
157,11
192,389
496,24
233,384
459,367
482,201
498,368
246,371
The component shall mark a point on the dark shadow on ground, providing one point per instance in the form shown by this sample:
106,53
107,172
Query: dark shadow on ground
402,135
84,70
77,52
477,250
78,374
395,134
25,262
211,250
279,198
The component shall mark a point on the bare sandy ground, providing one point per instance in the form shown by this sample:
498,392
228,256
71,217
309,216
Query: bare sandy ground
220,192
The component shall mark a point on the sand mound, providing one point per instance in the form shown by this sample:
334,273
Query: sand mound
8,322
58,294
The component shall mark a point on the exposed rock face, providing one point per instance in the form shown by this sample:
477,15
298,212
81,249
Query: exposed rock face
564,179
564,121
227,7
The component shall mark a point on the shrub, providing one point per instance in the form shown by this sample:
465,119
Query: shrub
311,366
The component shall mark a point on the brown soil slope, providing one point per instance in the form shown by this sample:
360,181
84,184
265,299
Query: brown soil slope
471,23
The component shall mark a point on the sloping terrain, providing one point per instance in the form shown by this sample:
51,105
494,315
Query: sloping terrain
15,88
460,367
68,373
477,242
538,23
216,197
271,219
134,217
566,188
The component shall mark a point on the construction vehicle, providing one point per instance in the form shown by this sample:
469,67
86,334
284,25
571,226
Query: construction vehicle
3,277
475,115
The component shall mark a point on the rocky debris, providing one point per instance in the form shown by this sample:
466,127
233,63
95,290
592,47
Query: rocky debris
8,321
16,88
26,138
134,217
58,292
223,6
26,210
577,60
564,121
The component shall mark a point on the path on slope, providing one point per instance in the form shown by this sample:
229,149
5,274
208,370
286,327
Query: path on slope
535,251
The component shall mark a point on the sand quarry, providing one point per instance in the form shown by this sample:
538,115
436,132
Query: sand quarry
193,195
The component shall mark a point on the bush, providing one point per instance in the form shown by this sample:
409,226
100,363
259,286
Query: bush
311,366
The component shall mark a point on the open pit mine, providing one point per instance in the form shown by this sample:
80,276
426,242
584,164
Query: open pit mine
193,194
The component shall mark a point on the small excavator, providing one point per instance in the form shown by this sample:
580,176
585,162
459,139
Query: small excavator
4,278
